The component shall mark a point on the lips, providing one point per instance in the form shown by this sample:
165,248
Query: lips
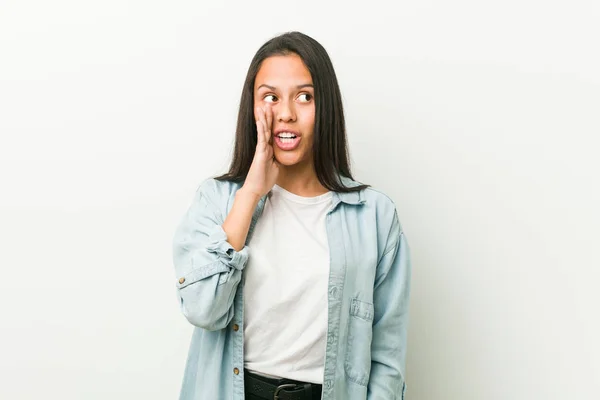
287,144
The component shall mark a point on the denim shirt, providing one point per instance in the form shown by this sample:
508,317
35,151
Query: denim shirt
368,296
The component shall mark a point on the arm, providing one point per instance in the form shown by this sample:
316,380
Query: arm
390,323
208,268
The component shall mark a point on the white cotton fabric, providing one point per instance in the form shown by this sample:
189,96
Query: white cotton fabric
285,290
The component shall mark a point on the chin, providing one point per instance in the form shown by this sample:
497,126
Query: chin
287,162
288,159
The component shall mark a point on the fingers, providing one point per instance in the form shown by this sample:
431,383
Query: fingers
264,124
260,130
269,117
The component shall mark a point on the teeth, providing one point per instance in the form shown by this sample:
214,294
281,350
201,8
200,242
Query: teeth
286,135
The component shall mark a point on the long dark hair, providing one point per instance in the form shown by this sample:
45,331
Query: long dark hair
330,151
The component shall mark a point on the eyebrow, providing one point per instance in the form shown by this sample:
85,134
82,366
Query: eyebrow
297,87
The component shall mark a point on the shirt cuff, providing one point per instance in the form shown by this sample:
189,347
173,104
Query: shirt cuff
217,243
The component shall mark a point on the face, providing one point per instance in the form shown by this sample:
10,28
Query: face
284,84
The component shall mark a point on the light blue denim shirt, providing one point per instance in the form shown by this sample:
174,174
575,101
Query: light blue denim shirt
368,296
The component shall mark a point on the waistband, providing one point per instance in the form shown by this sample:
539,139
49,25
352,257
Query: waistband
280,389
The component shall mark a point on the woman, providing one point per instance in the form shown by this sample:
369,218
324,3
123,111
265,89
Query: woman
296,277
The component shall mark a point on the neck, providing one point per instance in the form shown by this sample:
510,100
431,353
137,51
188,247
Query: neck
300,181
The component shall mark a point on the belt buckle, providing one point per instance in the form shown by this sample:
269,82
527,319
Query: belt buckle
281,387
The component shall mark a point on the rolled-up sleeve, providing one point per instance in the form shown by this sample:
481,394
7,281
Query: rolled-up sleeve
208,269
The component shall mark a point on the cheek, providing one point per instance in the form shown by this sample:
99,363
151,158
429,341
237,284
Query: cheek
309,128
309,117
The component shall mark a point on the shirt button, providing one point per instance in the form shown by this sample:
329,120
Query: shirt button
330,338
236,327
334,292
236,371
181,280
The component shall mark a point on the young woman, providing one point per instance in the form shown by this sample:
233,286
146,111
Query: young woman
296,276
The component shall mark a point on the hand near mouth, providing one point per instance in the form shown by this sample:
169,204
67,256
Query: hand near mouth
264,169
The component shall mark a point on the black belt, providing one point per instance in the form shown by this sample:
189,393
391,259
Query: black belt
280,389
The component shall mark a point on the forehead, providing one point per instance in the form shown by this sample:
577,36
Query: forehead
282,71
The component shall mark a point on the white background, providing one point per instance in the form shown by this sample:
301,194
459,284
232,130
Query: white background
480,119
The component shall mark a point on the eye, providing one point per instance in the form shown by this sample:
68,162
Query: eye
305,97
270,95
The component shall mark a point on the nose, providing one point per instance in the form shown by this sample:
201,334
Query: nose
285,111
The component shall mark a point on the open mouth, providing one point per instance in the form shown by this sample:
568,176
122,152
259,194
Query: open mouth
287,142
287,139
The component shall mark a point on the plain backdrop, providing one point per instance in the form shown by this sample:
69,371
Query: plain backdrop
479,119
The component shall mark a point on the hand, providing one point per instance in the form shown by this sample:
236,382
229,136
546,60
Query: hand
264,168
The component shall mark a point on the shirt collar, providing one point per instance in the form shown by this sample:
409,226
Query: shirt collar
355,198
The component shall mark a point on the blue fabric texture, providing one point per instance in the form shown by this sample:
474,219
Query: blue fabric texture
368,296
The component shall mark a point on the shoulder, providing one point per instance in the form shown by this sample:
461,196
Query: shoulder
376,201
389,228
381,201
379,211
385,210
214,188
217,193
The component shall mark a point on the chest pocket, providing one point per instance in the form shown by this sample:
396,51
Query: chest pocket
360,334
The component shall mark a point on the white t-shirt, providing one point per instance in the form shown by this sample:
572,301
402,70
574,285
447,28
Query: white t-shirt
285,292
